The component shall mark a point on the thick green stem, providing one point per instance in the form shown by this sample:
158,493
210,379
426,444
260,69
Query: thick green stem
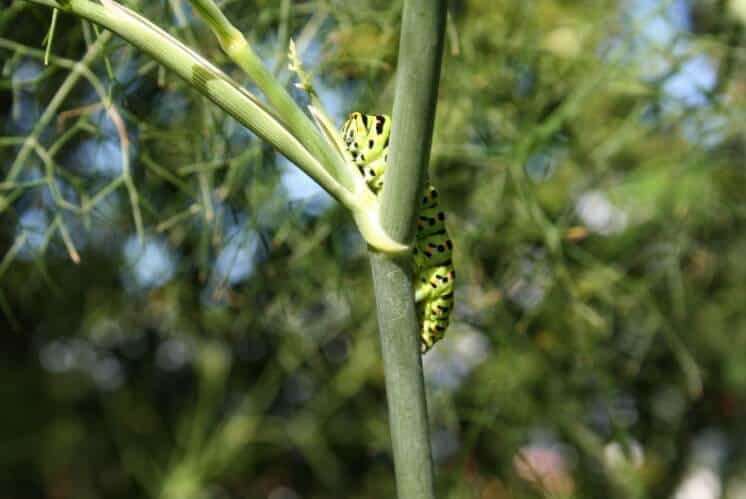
405,386
417,78
418,74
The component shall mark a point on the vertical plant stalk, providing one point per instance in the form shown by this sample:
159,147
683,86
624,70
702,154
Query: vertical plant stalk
418,75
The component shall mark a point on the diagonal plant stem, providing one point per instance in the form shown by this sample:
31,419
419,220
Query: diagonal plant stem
418,75
239,50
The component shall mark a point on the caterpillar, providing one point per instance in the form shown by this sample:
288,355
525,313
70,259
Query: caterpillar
367,140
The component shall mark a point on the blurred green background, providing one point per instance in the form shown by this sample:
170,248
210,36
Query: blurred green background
204,326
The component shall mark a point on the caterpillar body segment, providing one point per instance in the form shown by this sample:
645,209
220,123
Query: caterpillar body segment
367,139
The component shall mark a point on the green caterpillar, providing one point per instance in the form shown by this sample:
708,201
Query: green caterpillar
367,140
